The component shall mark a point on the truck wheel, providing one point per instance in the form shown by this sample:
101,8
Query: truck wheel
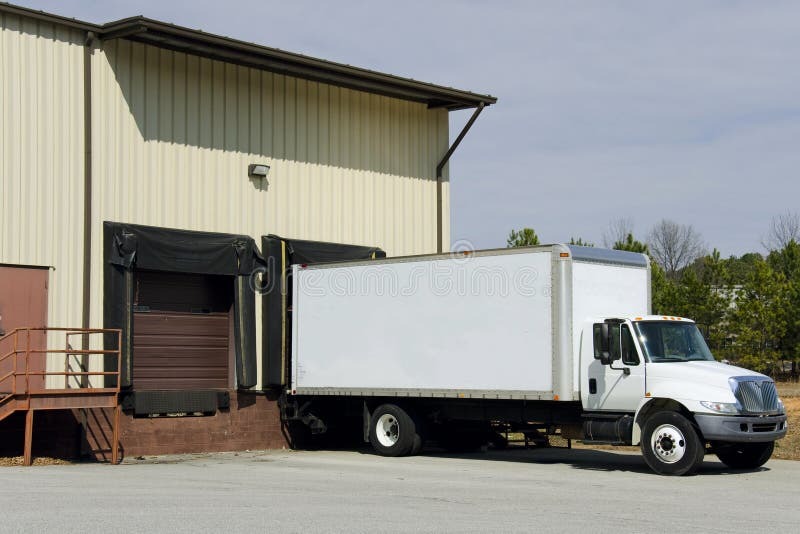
416,448
670,444
392,431
745,455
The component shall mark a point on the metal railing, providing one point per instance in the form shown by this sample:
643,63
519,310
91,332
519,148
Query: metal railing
35,381
28,389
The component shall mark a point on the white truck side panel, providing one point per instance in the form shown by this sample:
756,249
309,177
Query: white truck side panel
602,290
477,326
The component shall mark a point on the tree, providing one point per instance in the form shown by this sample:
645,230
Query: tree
704,297
523,238
580,242
757,323
618,229
739,268
631,245
786,262
666,297
783,229
674,246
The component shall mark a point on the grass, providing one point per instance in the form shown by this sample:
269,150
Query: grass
788,448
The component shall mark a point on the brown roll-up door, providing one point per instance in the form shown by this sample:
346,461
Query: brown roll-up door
182,331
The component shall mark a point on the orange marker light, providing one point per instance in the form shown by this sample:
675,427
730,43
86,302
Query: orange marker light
637,319
647,394
555,397
564,254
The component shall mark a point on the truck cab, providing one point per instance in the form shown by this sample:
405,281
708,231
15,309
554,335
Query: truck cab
652,381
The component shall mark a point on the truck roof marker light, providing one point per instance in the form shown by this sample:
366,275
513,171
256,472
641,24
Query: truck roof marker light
564,254
467,252
666,318
555,397
637,318
647,394
303,265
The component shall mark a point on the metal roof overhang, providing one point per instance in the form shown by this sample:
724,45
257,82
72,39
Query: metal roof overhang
261,57
221,48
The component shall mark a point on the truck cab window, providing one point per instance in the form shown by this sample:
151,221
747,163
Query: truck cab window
629,355
672,342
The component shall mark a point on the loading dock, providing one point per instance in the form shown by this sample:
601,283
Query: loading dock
154,126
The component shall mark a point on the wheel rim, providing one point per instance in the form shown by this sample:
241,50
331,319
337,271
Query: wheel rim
668,444
387,430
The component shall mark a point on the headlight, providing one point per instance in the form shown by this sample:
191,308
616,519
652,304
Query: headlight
721,407
781,407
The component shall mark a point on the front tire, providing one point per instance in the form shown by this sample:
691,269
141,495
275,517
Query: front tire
671,445
745,455
392,432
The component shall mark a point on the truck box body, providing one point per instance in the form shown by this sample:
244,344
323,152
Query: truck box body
497,324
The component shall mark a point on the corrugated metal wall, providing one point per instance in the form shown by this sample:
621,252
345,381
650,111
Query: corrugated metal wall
180,131
41,156
173,135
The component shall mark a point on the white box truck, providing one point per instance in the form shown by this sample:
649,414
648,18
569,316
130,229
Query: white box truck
557,339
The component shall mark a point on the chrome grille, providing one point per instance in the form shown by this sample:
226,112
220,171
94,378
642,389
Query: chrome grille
756,396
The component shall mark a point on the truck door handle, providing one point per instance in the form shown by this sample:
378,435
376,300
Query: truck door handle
592,386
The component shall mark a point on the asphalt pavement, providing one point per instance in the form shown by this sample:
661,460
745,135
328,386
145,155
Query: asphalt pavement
546,490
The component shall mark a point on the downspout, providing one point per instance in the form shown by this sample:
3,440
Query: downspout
88,47
440,168
87,180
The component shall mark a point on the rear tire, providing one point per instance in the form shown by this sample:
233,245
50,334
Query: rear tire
745,455
392,432
416,447
671,445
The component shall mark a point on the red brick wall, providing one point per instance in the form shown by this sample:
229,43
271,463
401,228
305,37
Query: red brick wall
252,422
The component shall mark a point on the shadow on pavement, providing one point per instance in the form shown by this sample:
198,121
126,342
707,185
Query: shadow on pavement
586,459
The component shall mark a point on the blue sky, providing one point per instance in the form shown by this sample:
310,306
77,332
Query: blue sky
645,110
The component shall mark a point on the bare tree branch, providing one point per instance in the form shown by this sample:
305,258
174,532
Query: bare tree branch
675,246
617,231
783,228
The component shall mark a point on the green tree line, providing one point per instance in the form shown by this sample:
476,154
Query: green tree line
748,307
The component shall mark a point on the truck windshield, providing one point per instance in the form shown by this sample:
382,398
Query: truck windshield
672,342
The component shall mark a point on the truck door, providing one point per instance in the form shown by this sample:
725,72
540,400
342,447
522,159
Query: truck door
611,387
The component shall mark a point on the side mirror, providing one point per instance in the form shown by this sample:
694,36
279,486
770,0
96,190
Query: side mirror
602,338
607,342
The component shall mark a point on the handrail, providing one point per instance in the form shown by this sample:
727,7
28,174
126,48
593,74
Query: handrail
30,371
31,400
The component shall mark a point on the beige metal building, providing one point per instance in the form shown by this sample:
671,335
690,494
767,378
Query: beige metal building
108,128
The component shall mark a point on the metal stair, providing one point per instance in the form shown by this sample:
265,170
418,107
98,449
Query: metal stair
27,385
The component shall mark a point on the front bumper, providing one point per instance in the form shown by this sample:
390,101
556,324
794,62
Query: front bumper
741,428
